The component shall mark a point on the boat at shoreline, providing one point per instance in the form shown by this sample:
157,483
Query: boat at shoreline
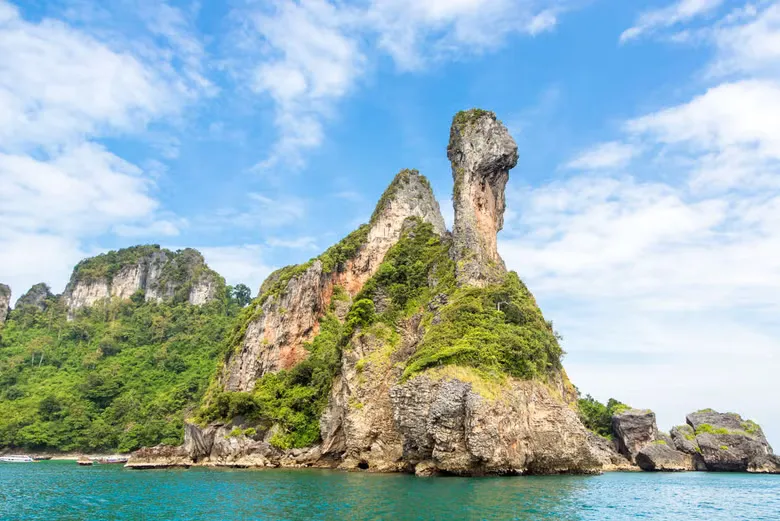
41,458
16,459
84,461
113,460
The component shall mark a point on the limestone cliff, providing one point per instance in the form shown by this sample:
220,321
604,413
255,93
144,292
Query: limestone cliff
154,273
434,358
5,302
285,316
37,297
481,152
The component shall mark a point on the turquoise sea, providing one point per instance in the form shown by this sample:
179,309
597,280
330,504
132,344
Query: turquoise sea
62,490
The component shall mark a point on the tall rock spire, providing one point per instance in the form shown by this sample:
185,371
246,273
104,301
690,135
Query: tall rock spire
5,302
481,152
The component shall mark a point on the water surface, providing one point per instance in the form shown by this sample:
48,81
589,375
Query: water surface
59,490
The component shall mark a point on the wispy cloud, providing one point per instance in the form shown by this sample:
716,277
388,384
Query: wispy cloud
678,12
604,156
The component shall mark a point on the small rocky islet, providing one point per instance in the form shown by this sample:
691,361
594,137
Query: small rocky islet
403,348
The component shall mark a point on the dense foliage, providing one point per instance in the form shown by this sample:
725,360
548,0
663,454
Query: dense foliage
106,265
121,375
598,417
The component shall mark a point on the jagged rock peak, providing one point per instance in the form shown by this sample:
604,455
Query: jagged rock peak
157,273
36,296
5,302
292,300
481,152
408,195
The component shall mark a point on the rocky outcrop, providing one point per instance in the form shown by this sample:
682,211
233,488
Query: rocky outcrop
481,152
633,429
659,456
293,300
153,273
36,297
159,457
5,302
728,443
447,425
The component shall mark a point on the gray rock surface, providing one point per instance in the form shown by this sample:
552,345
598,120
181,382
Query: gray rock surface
35,297
659,456
159,457
158,274
633,429
527,430
729,443
5,302
481,152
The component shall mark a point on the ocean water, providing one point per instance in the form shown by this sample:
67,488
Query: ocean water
64,491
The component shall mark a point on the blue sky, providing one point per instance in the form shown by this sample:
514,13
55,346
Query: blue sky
644,212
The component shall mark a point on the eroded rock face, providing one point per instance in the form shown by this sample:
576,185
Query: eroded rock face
161,456
661,457
633,430
275,338
725,442
158,274
527,429
481,152
5,302
35,297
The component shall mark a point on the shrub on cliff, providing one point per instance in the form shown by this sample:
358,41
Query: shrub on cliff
598,417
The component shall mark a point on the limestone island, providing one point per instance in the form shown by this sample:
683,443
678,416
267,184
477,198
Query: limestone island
403,348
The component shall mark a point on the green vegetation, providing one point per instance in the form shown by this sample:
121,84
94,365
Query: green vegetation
121,375
751,427
106,265
724,447
659,442
598,417
498,329
468,117
706,428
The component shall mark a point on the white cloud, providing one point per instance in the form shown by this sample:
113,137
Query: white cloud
678,12
61,88
262,211
415,32
749,42
665,283
300,243
604,156
238,264
152,230
83,189
306,56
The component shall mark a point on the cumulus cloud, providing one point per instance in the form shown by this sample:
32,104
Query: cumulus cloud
63,87
306,56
